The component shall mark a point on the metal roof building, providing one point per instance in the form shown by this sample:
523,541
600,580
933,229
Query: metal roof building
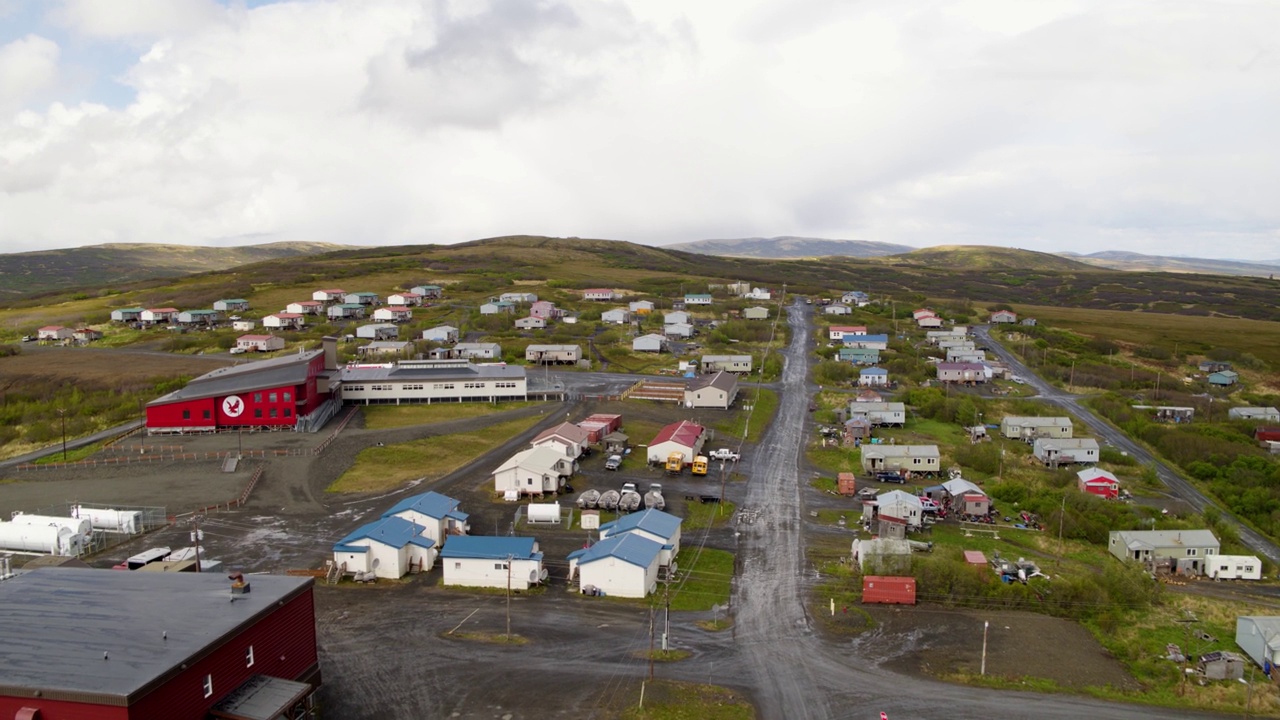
103,644
625,565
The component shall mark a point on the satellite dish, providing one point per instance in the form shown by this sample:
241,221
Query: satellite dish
533,576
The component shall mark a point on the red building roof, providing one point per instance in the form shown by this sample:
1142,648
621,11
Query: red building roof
684,432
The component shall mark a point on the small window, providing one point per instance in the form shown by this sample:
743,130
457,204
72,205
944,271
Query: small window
288,412
257,397
248,657
208,685
457,566
499,566
186,414
271,397
257,413
1191,551
273,412
288,397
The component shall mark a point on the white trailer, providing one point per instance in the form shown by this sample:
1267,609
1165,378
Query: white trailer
79,526
1233,567
43,539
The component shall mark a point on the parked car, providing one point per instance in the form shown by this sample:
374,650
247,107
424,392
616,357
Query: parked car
613,463
725,454
28,338
890,477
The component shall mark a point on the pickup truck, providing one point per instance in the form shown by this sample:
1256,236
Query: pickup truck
889,477
724,454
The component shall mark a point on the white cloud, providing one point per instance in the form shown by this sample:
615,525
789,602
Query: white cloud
1081,125
28,68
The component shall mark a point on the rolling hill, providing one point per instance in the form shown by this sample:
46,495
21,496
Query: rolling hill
96,266
790,247
985,257
1120,260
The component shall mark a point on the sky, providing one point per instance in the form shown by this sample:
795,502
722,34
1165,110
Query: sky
1055,125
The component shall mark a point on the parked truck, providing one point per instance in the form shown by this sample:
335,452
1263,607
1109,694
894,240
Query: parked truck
699,465
675,463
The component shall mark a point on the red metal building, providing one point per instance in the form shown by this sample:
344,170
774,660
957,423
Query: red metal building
889,590
84,644
281,392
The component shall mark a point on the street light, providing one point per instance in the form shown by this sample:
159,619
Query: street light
62,415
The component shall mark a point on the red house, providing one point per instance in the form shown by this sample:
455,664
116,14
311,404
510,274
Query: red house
1097,481
281,392
179,646
1267,434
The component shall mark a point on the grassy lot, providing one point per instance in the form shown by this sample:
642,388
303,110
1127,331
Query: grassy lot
673,700
383,417
834,459
383,468
699,516
706,578
73,455
751,423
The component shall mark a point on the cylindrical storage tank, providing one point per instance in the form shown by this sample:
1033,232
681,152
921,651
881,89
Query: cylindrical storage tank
79,526
46,539
116,521
544,512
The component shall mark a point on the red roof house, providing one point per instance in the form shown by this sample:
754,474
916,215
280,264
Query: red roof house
1097,481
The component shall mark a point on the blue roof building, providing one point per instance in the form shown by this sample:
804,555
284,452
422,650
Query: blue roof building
624,564
438,514
496,562
389,548
655,525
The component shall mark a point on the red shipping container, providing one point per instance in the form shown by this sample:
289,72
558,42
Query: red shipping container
847,484
889,590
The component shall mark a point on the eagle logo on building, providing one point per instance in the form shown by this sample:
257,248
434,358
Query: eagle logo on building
232,406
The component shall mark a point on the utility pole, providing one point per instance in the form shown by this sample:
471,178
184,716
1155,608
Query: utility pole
1071,382
651,613
196,537
666,622
982,670
509,559
62,415
1062,515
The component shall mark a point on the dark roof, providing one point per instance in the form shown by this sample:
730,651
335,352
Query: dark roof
444,370
725,381
58,622
246,377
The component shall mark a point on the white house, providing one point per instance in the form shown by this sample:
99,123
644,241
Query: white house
640,307
378,331
601,294
54,332
285,321
625,565
873,377
712,391
966,355
405,298
1233,567
759,294
566,438
903,506
438,515
428,292
242,325
1259,637
678,330
1021,427
441,334
389,548
1061,451
361,298
198,317
534,471
533,322
478,350
649,343
870,342
879,413
730,363
393,313
684,437
616,316
896,458
675,316
519,298
231,305
855,297
549,354
153,316
385,347
837,309
838,332
1266,414
259,343
345,310
305,307
755,313
655,525
1004,317
930,321
328,296
1189,548
126,314
691,299
494,308
492,562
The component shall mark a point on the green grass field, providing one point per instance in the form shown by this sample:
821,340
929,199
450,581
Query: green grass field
383,468
751,423
703,515
706,578
675,700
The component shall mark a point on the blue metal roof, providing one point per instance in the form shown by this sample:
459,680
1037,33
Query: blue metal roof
628,547
657,522
874,371
490,547
431,504
390,531
865,338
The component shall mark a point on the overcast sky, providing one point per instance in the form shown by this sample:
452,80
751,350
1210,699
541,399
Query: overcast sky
1146,126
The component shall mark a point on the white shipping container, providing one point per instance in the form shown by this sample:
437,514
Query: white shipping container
47,539
128,522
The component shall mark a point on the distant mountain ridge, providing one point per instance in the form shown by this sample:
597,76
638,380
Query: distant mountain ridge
1123,260
788,246
97,266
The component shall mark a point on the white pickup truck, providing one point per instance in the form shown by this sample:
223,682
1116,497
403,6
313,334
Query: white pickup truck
724,454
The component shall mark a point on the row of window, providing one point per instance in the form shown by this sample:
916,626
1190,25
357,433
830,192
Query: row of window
271,397
434,386
208,679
